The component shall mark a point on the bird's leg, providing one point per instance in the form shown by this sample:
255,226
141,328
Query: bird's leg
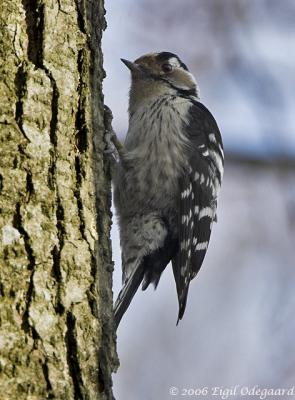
113,144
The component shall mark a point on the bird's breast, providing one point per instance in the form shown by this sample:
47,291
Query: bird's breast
155,144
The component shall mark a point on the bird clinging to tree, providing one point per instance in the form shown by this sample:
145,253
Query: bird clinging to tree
166,178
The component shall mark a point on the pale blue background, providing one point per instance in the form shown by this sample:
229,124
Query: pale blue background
239,324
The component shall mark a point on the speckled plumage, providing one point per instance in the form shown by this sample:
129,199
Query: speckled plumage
167,178
155,156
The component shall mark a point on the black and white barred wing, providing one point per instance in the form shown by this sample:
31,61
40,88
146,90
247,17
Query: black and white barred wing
198,197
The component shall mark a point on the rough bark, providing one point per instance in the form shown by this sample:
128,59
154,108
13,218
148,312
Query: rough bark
57,339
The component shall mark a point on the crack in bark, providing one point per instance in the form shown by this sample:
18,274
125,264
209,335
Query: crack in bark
20,83
91,293
29,184
29,187
82,145
81,124
54,108
18,224
1,183
34,24
56,273
79,176
56,255
2,293
61,233
50,395
35,30
72,357
80,6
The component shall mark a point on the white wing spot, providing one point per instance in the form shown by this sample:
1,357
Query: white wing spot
206,212
218,161
185,245
202,246
186,192
212,137
185,219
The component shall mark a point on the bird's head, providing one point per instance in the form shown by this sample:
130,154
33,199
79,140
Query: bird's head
158,74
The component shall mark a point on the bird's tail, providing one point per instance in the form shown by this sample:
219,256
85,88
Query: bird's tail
127,292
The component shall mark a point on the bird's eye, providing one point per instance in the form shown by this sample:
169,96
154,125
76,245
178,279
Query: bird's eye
167,67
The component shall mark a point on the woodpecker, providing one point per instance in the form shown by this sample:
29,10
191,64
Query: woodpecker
166,178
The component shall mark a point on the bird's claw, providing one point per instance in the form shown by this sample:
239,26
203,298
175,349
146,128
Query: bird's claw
113,145
108,118
110,148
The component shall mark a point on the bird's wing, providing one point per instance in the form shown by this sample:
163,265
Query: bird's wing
198,197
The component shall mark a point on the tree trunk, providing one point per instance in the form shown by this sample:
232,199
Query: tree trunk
57,337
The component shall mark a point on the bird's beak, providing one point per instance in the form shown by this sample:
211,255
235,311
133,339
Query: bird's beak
131,65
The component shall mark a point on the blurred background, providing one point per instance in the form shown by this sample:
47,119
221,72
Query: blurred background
239,324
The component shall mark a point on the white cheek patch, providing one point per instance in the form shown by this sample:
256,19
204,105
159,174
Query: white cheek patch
187,81
174,62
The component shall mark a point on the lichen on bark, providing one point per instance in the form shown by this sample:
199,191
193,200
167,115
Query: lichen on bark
57,338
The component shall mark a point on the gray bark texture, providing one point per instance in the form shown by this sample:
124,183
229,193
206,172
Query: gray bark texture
57,338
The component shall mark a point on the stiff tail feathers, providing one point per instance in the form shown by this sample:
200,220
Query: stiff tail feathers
127,292
182,290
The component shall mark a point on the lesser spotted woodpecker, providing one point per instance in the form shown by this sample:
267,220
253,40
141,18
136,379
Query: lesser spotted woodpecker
166,178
